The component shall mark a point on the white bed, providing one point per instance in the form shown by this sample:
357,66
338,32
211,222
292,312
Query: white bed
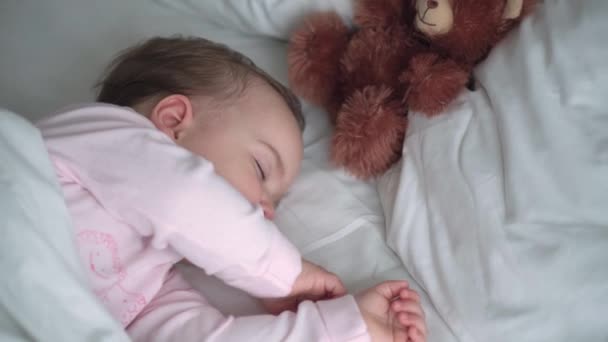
498,213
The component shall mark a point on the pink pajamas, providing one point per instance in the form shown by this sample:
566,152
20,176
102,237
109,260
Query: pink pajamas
178,312
140,203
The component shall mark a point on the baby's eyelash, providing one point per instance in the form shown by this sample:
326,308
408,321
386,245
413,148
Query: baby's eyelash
257,164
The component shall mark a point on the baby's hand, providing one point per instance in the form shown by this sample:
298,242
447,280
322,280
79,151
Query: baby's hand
392,313
314,283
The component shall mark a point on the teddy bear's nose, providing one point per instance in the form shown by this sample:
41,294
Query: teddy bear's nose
432,4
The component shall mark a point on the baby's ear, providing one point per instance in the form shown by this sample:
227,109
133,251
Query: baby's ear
172,114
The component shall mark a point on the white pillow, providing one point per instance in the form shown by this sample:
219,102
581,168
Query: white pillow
53,56
273,18
500,209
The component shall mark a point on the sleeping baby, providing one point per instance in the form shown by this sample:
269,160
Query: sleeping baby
184,157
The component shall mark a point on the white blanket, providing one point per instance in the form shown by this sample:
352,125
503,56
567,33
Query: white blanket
44,295
500,208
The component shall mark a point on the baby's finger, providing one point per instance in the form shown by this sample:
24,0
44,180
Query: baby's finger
407,306
391,289
278,305
415,335
415,321
400,333
409,294
334,286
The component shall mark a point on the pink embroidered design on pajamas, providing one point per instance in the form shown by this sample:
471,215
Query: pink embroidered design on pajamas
101,252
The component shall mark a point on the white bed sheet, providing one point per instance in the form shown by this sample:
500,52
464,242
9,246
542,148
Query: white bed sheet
53,52
500,210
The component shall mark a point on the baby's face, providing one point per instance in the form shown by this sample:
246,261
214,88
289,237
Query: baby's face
255,143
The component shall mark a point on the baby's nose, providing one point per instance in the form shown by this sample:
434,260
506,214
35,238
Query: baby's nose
268,210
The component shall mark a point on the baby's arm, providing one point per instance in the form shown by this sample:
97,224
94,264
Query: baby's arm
166,193
214,227
179,313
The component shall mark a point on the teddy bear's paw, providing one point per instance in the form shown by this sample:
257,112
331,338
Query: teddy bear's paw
369,132
432,83
314,56
376,57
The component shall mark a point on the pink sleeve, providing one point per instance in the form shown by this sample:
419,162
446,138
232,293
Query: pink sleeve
179,313
174,197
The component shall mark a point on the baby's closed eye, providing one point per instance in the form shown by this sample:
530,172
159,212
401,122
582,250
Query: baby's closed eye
260,170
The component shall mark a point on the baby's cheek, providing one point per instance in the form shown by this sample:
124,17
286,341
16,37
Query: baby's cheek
250,187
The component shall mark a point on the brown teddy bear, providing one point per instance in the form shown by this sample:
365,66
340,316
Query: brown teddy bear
401,55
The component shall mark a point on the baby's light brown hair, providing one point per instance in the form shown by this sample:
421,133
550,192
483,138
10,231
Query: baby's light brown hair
184,65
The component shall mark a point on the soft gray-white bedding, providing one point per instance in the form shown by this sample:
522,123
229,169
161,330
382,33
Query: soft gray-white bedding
497,214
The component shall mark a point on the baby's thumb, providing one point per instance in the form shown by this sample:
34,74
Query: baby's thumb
335,287
390,289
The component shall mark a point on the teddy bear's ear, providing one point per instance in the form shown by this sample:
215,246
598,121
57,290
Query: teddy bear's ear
513,9
434,17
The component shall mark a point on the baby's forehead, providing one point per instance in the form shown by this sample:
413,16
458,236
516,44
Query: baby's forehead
271,87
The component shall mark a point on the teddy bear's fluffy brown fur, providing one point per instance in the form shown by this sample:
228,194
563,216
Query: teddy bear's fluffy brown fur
401,55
